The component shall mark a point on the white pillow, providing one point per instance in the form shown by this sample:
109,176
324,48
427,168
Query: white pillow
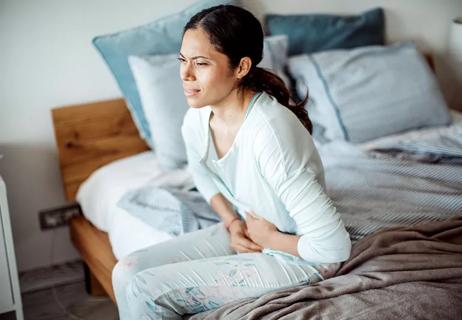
275,50
369,92
159,85
164,104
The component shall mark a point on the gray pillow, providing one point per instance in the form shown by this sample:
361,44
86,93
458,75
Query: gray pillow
164,105
369,92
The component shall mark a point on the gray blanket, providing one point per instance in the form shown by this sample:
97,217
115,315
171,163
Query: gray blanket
374,193
445,147
171,210
403,273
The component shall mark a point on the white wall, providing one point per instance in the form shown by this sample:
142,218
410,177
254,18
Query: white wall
47,60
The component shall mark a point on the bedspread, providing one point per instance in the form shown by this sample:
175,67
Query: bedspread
403,273
373,193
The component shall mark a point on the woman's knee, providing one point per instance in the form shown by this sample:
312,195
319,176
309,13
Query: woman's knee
142,293
125,269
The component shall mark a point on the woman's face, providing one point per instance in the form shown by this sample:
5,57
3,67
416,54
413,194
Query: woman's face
205,72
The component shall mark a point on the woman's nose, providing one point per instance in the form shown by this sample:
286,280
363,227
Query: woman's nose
186,72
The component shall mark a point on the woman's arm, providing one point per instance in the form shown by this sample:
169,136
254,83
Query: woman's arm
266,235
237,228
284,242
288,160
223,208
193,142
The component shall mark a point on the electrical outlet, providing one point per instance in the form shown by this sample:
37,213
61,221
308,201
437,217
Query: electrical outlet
59,216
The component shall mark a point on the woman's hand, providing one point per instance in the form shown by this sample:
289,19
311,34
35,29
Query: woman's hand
240,240
259,229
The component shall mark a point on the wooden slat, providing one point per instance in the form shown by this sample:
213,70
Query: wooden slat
95,249
91,135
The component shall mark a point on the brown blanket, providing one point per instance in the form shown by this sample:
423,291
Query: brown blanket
402,273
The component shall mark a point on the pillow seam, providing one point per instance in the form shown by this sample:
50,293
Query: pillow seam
329,96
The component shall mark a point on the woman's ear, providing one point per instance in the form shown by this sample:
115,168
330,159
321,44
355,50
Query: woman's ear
243,68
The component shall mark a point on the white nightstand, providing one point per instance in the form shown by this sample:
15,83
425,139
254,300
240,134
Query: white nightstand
10,295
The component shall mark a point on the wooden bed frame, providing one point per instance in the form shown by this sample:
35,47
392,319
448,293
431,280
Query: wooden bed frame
89,136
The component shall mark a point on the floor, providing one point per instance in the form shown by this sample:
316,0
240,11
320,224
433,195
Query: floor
58,293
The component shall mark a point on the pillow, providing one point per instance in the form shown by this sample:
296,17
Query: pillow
164,104
318,32
275,54
369,92
162,36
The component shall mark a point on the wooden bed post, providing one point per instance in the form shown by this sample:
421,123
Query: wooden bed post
89,136
92,285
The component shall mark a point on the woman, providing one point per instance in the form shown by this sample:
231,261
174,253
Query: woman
252,157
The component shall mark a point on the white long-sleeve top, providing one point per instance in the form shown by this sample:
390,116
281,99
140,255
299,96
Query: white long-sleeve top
273,169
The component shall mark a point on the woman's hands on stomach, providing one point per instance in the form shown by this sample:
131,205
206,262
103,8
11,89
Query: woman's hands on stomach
240,239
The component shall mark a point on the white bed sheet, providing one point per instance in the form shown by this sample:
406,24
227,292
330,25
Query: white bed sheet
99,194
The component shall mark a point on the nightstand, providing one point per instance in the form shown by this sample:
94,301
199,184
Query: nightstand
10,295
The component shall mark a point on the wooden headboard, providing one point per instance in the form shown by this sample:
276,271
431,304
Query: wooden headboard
91,135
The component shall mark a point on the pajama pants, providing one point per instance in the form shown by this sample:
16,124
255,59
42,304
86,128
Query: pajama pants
199,271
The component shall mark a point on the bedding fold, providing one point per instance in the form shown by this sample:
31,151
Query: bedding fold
433,145
168,209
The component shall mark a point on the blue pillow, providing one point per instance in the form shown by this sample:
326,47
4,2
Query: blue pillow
162,36
370,92
310,33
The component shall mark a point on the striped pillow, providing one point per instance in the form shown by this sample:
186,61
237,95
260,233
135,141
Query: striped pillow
369,92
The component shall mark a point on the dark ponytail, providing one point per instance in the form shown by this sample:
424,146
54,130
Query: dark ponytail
259,79
236,33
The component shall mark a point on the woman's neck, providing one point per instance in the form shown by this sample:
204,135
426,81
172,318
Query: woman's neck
231,110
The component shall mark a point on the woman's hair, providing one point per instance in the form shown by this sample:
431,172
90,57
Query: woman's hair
236,33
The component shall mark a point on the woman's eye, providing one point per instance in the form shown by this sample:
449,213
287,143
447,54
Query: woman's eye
181,60
200,63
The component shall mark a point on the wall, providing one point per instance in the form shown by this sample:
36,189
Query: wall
47,60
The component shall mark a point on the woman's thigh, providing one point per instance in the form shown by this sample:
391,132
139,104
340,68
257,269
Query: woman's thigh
209,242
190,287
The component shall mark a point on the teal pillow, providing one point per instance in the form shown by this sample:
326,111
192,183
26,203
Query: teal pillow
161,36
310,33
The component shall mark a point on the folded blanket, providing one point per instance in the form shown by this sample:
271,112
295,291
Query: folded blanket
443,148
169,209
403,273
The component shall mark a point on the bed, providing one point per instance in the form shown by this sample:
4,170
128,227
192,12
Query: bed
90,136
398,187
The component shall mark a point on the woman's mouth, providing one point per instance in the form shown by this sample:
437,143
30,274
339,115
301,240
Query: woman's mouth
191,92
